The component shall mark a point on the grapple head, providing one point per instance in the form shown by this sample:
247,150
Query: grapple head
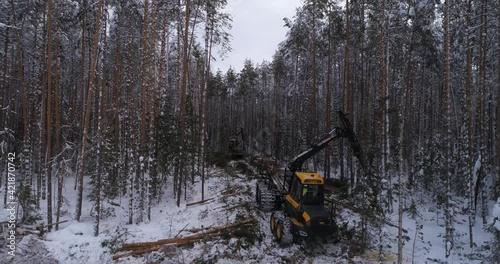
348,133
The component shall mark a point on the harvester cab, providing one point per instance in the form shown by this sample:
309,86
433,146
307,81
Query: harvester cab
301,194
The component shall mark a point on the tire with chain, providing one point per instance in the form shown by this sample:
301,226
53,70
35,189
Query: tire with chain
265,198
257,193
282,228
272,223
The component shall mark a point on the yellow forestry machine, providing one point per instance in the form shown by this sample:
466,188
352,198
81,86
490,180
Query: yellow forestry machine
297,198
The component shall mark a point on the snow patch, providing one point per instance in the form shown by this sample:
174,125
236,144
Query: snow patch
76,244
496,215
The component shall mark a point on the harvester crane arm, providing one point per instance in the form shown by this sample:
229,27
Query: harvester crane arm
338,132
298,160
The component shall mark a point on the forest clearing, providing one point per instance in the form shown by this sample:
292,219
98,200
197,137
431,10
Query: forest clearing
233,192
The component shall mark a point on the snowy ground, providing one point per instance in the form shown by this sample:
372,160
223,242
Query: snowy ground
426,244
74,241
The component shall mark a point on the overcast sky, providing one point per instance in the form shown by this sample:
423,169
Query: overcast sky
257,30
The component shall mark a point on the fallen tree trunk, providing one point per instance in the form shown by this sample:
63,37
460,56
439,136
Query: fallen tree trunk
56,223
34,229
144,250
40,226
211,232
202,201
22,232
147,247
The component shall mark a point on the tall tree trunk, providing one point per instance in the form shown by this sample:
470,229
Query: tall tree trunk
161,82
92,73
328,102
151,176
116,94
483,131
116,97
4,94
81,114
98,177
48,156
347,82
449,152
497,183
204,98
101,124
144,101
58,124
469,118
401,114
182,107
129,146
25,155
386,122
20,65
178,83
4,101
314,79
43,117
203,101
383,103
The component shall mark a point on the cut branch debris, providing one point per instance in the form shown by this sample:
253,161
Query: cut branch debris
181,230
56,223
227,192
196,230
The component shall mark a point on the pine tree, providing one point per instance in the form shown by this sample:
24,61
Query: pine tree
469,118
57,128
48,157
449,215
92,73
181,174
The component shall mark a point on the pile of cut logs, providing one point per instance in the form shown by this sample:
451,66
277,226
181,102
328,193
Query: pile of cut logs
136,249
37,229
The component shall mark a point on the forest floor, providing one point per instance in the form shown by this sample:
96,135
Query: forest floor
74,241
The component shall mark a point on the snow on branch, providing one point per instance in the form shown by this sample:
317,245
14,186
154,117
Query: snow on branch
2,25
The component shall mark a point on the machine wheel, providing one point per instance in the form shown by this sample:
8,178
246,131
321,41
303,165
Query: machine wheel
335,233
283,232
272,224
257,194
265,198
281,227
279,232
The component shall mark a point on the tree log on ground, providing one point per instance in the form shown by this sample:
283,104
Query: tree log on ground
140,248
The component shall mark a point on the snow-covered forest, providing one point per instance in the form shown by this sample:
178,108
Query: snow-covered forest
114,124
